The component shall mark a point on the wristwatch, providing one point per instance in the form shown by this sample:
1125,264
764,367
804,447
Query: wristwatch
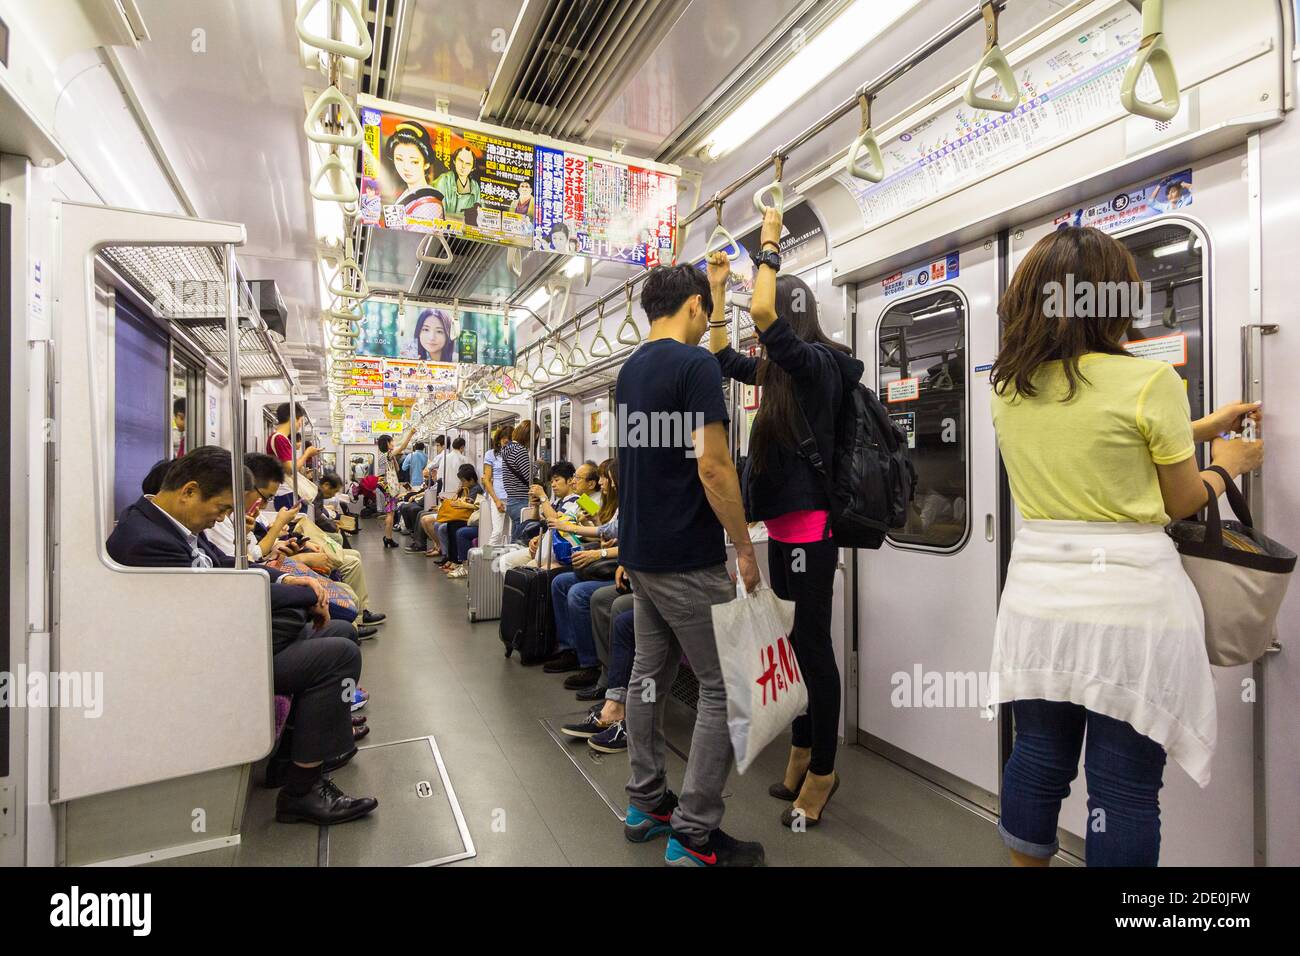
767,258
604,552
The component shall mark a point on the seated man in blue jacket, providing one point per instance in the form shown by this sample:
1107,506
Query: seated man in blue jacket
316,660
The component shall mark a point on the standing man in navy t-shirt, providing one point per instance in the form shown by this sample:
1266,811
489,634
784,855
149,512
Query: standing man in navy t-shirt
678,489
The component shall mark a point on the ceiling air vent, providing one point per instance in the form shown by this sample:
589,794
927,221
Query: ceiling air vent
567,60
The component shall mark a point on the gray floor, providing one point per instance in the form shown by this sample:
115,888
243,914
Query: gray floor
525,797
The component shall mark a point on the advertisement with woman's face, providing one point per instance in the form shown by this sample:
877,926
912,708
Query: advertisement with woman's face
425,177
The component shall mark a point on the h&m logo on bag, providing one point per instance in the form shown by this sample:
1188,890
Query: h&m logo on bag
779,669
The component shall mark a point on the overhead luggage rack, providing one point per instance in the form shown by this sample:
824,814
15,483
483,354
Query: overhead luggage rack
186,285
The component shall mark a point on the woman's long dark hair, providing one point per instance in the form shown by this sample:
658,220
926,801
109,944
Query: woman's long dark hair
779,409
1034,327
609,502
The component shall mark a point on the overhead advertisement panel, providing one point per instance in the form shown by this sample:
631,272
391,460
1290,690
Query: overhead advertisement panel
427,172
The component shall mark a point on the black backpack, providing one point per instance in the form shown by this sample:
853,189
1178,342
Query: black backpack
872,479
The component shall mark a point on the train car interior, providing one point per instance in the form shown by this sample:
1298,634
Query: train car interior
387,276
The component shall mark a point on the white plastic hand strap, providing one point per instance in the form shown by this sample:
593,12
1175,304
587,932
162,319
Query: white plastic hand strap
441,259
866,139
357,51
1153,52
337,284
338,173
628,333
728,244
774,189
995,60
601,346
331,96
515,260
577,357
540,374
558,366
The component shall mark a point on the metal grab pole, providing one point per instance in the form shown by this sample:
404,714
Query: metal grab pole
236,410
293,436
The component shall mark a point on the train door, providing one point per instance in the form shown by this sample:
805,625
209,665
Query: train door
927,598
1190,246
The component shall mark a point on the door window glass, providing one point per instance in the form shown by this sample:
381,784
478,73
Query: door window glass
922,382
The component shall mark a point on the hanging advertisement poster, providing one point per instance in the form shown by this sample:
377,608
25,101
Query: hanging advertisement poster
411,379
425,176
1128,208
485,338
365,378
412,331
604,209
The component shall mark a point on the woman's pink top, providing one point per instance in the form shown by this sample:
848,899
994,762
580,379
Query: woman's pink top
798,527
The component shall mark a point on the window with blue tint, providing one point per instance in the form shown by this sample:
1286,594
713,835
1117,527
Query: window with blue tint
141,403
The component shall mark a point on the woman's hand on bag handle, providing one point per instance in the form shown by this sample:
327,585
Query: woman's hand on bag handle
1182,485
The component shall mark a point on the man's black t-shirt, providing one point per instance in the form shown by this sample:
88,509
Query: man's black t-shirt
666,391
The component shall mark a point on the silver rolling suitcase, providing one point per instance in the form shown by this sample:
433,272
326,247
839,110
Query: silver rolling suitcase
485,585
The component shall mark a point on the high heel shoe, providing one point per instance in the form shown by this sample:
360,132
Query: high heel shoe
793,813
780,790
390,543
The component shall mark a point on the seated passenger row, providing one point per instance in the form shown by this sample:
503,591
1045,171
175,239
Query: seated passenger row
185,519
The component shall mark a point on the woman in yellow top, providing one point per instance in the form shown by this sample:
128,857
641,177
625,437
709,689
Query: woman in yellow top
1099,629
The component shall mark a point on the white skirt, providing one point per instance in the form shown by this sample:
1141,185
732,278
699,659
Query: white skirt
1102,614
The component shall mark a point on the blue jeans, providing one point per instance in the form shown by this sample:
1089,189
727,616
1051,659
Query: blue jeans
1124,771
464,541
571,601
622,651
514,511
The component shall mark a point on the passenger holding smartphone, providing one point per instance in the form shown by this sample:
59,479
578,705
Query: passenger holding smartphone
804,374
1100,639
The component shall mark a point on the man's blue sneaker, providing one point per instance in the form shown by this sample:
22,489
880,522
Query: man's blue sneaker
719,850
641,827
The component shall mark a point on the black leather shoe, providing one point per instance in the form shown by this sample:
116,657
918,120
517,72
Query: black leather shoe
564,662
595,692
366,633
324,805
582,679
390,543
369,618
334,763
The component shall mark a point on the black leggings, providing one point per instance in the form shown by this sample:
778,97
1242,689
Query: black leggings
805,574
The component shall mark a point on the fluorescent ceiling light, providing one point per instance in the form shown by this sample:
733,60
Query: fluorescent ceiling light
538,299
821,56
1176,248
575,266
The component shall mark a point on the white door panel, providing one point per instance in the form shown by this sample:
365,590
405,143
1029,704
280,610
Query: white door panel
1217,214
927,610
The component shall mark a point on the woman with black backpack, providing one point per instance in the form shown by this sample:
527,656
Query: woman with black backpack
804,375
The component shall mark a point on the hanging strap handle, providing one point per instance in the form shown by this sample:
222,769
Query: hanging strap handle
729,244
632,337
995,60
357,51
316,131
441,259
333,166
773,189
873,172
1152,51
577,357
601,346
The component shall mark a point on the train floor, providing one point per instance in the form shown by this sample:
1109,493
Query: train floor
466,759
